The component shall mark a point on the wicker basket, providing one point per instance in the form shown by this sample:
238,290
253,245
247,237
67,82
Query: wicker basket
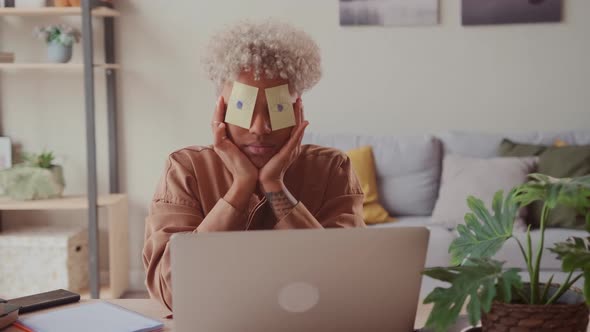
537,318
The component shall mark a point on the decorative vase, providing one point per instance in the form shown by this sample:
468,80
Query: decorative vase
570,314
58,53
30,183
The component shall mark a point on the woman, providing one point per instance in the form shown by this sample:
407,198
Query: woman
251,178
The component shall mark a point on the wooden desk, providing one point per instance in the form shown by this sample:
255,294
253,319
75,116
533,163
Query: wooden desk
153,309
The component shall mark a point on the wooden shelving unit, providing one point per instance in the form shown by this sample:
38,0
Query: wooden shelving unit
64,203
113,204
55,66
105,293
115,208
58,11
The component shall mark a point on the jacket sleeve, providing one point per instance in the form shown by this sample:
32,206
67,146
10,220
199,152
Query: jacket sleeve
342,205
176,208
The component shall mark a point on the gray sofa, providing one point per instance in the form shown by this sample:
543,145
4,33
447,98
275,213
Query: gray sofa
408,173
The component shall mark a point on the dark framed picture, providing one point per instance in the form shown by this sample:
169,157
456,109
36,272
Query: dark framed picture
389,12
485,12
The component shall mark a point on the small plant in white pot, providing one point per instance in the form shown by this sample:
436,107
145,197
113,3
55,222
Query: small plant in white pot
60,39
35,178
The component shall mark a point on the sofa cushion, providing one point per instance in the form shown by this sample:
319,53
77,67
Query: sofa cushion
480,177
485,145
560,162
438,243
408,168
363,164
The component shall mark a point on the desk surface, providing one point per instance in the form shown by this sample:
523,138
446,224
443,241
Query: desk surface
153,309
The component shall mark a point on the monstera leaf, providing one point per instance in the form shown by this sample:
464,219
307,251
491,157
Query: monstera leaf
482,281
483,233
575,255
572,192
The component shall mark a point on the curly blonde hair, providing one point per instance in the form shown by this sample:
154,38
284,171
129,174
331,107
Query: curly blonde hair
269,48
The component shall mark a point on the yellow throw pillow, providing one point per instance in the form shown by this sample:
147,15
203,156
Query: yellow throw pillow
364,167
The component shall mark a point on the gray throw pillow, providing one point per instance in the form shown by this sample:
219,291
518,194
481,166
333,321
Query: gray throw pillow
479,177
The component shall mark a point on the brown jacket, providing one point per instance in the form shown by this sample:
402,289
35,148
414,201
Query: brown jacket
195,181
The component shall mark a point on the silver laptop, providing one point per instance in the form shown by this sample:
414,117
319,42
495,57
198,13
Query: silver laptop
298,280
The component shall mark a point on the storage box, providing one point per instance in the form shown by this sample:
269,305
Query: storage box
37,259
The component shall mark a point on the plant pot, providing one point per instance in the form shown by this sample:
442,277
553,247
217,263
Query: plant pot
74,3
30,183
570,314
58,53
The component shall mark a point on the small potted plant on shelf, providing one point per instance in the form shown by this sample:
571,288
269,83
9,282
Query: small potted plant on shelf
37,177
60,39
498,296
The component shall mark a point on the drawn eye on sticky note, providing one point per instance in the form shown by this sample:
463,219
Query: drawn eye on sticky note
240,106
280,107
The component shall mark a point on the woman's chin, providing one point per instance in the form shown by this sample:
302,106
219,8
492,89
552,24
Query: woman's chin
259,161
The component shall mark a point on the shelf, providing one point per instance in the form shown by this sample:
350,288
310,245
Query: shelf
117,216
64,203
114,206
55,66
58,11
105,293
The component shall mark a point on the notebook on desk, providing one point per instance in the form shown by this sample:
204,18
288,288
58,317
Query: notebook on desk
100,316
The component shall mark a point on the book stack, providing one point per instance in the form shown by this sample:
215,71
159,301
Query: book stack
6,57
90,317
8,314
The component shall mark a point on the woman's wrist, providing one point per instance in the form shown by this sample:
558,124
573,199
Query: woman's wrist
272,186
239,194
279,198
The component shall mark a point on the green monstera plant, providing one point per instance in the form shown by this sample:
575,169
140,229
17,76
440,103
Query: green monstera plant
479,280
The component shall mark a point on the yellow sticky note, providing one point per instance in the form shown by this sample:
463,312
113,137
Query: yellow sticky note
280,108
240,106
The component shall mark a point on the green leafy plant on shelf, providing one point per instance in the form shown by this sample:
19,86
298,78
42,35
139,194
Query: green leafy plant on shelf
479,280
36,177
42,160
60,39
59,33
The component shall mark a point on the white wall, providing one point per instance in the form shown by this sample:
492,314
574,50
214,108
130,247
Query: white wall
391,80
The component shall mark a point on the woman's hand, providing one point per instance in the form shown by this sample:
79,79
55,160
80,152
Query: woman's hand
245,174
271,175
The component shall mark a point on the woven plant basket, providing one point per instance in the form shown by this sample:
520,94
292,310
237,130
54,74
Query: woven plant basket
569,315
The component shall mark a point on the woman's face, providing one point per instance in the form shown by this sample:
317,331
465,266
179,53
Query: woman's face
259,143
